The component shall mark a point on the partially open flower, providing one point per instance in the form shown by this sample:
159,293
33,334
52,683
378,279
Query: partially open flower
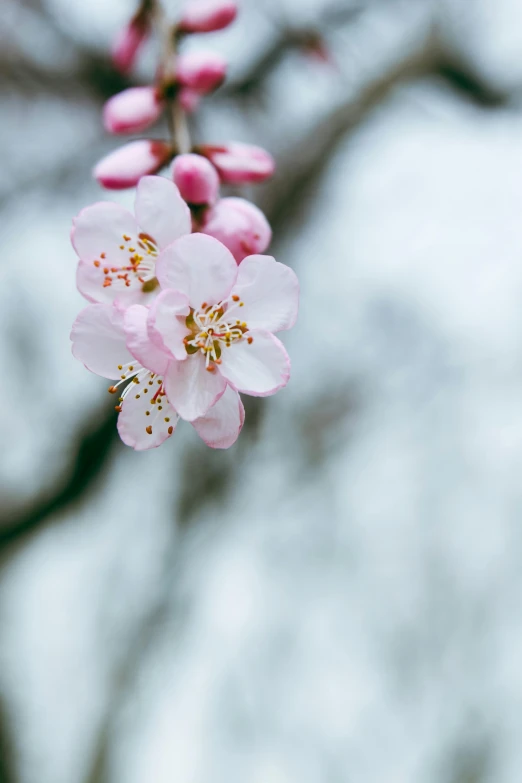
118,250
205,16
239,225
114,343
129,41
239,163
124,167
216,320
201,71
132,110
196,178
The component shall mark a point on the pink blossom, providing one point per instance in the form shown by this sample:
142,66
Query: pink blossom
118,250
239,163
216,321
114,343
201,71
124,167
205,16
196,178
132,110
239,225
129,42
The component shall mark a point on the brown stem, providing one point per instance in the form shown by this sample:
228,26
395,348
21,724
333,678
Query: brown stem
176,117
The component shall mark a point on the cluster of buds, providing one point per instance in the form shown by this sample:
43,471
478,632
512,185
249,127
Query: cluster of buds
182,80
183,306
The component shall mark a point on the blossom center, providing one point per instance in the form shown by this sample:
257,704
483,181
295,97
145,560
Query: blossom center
148,387
214,327
138,264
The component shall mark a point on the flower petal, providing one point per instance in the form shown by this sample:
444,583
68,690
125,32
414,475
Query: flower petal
99,230
99,340
259,368
220,427
270,292
166,322
90,281
143,424
200,267
139,342
160,210
105,236
191,389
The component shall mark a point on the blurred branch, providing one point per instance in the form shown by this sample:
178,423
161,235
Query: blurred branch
303,162
467,84
300,165
289,38
7,762
89,455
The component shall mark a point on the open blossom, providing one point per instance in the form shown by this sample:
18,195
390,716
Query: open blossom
114,343
239,225
216,321
132,110
124,167
118,250
239,163
206,16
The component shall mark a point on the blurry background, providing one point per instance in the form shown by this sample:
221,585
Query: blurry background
338,598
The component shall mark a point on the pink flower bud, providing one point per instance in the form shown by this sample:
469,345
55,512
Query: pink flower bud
240,226
240,163
189,99
205,16
201,71
132,110
196,178
129,41
124,167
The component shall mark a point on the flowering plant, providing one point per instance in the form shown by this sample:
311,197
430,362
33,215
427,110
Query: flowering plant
183,306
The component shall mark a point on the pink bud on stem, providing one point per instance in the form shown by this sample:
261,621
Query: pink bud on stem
196,178
131,38
132,110
239,225
239,163
206,16
201,71
124,167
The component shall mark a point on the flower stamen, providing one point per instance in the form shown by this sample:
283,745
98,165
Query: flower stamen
212,328
140,264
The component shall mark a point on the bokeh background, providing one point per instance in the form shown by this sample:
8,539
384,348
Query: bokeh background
338,598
